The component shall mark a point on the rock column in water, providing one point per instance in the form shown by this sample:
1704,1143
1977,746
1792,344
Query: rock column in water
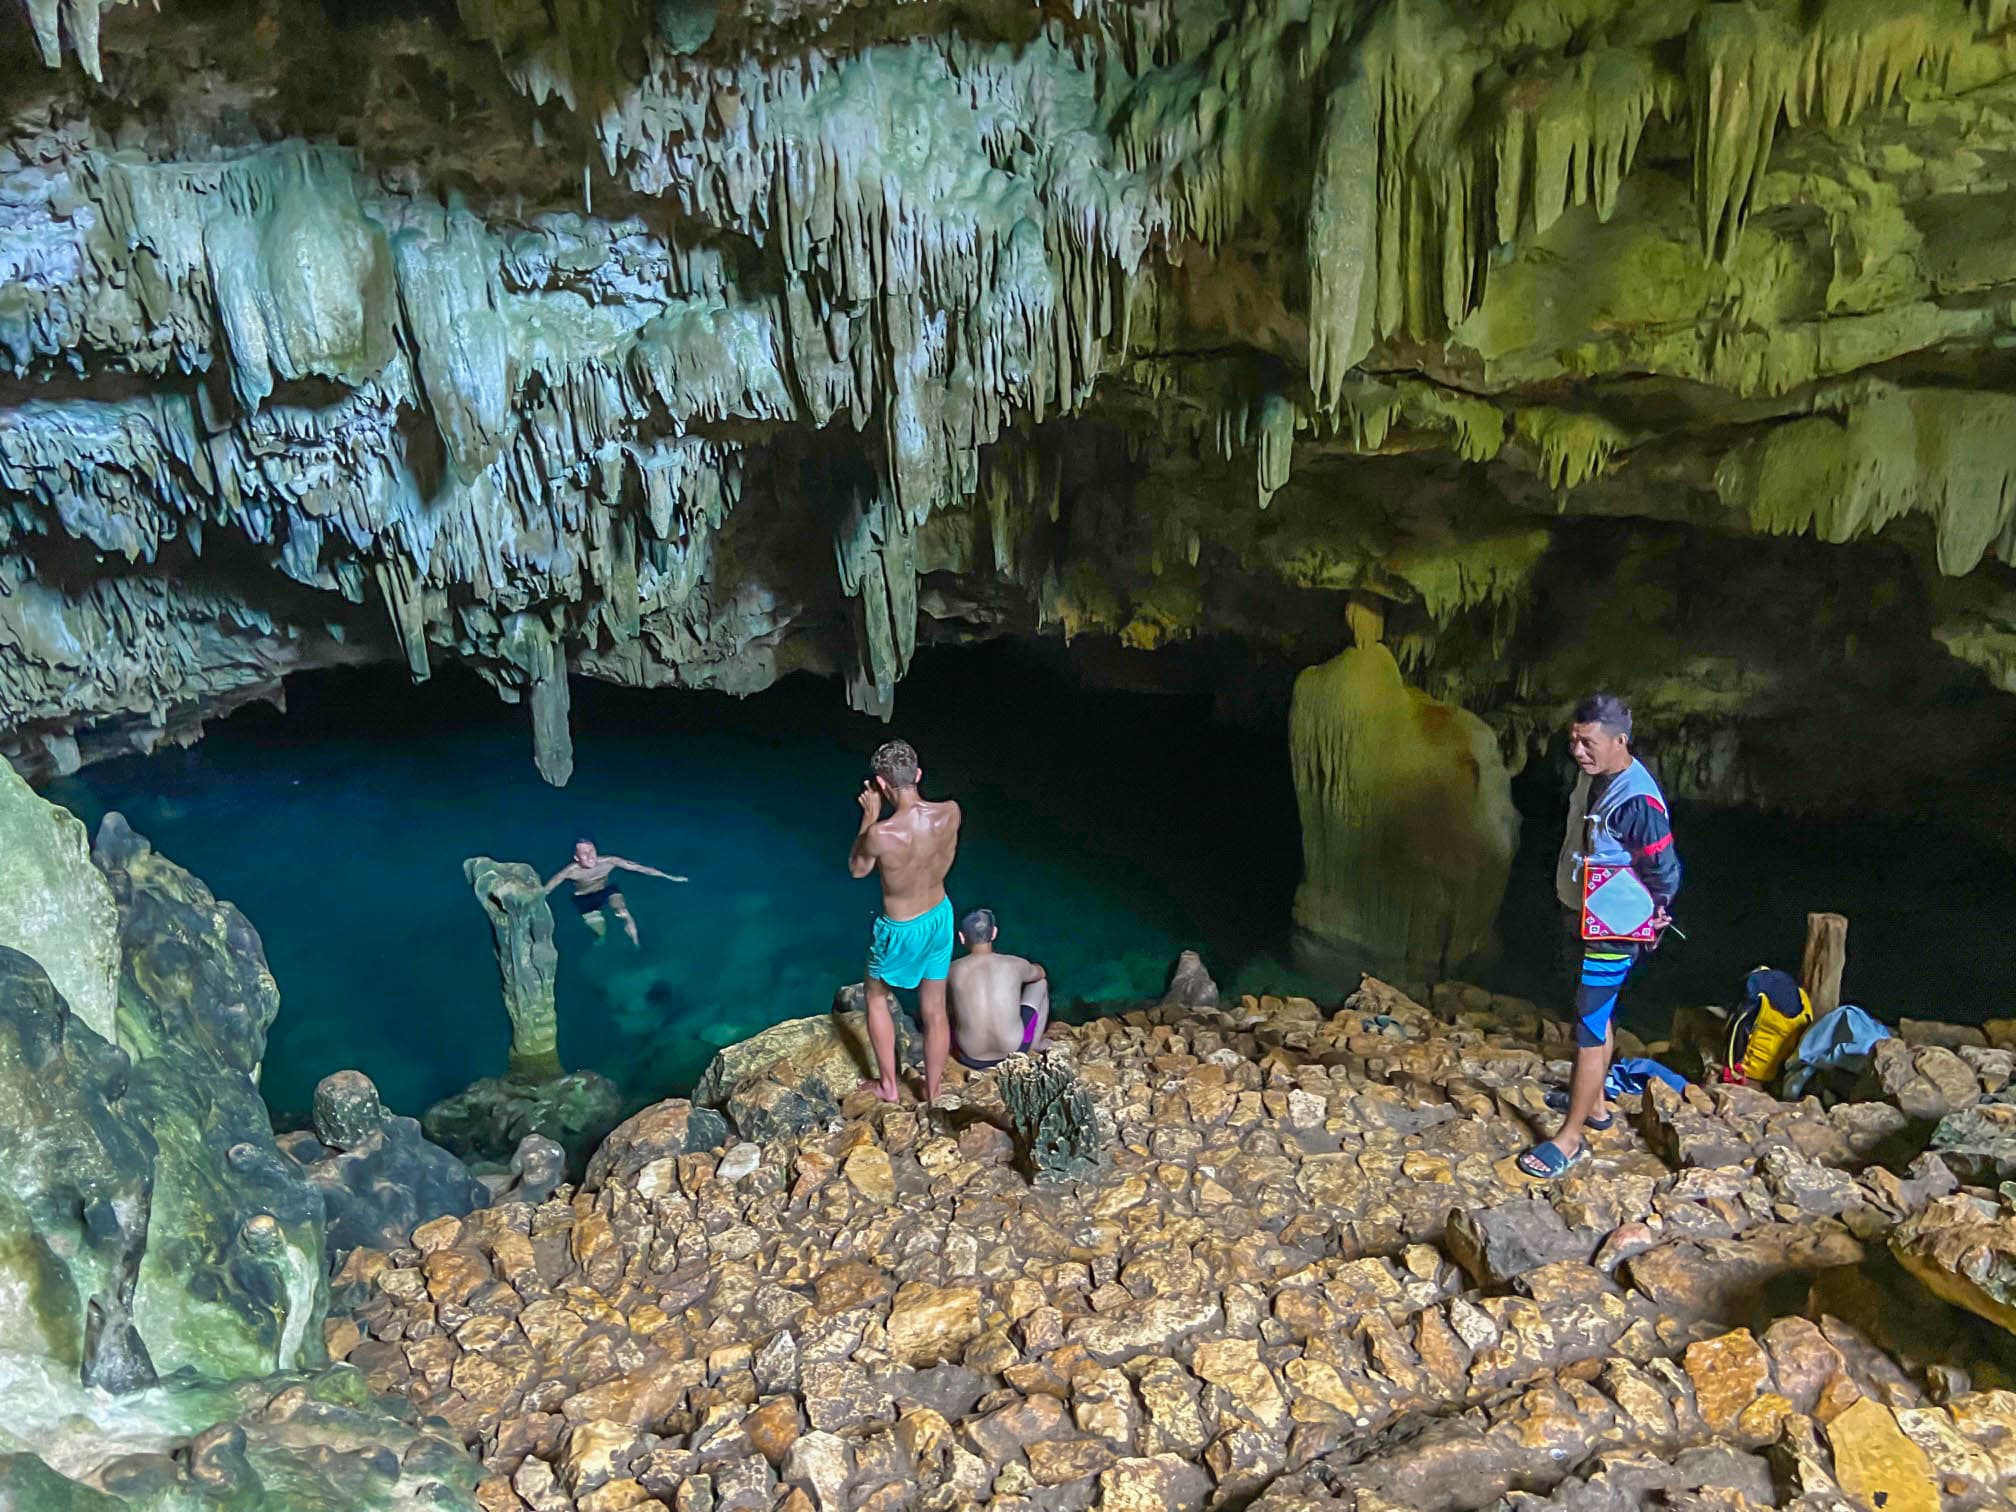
522,926
1407,819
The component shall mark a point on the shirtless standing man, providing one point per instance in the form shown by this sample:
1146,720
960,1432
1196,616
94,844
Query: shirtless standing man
912,850
595,888
1000,1002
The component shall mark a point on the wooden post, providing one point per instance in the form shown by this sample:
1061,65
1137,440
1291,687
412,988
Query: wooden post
1826,958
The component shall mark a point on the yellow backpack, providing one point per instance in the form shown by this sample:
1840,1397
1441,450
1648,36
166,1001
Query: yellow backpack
1773,1032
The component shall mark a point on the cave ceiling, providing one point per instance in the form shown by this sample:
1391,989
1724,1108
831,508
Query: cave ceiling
1661,344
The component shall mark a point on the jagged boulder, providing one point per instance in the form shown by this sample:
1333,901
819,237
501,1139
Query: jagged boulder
1190,984
1924,1082
1963,1247
793,1076
1979,1143
54,905
663,1131
379,1176
1060,1120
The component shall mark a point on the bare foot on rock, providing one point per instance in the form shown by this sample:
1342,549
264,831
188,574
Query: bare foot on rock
887,1091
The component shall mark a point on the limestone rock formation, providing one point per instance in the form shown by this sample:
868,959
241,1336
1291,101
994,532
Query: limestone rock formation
300,1442
488,1121
379,1176
1407,819
195,1002
793,1076
54,905
78,1193
683,345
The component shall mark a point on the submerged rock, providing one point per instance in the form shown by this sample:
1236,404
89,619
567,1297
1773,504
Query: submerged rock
487,1122
793,1076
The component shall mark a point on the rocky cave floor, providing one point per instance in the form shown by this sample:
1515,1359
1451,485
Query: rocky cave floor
1307,1275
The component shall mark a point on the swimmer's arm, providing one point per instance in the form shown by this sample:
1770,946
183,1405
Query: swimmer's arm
1032,971
566,874
647,871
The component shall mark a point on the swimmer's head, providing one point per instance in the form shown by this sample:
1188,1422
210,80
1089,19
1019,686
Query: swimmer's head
895,766
978,927
584,852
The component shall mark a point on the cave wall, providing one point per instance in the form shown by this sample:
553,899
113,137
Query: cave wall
1655,345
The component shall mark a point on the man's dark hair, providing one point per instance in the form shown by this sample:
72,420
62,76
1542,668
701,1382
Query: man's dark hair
979,927
1607,710
895,762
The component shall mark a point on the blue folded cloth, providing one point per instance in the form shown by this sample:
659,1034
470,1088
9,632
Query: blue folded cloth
1634,1073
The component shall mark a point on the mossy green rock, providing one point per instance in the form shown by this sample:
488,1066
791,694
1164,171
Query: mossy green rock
54,905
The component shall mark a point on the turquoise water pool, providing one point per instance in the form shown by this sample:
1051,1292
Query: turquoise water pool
1094,828
1108,830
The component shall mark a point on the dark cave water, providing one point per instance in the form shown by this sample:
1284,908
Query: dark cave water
1108,830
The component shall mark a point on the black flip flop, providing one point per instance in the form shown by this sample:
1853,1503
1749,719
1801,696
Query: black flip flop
1557,1099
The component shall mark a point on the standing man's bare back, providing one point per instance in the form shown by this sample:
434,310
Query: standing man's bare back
910,851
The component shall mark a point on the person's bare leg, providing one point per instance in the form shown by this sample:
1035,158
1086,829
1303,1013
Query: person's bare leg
882,1040
1585,1093
598,924
937,1035
629,924
1037,995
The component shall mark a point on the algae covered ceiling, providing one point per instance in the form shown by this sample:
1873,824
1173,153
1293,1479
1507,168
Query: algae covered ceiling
697,343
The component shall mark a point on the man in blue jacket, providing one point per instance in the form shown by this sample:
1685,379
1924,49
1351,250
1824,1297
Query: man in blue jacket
1616,818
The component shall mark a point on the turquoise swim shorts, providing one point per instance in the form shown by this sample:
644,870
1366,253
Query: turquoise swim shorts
908,951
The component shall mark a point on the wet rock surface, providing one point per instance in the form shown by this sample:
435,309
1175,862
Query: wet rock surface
794,1076
163,1266
1256,1299
377,1173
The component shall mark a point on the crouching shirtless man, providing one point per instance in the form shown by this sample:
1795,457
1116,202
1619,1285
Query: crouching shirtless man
1000,1002
911,851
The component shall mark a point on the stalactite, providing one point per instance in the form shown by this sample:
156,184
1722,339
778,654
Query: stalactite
1573,446
1945,453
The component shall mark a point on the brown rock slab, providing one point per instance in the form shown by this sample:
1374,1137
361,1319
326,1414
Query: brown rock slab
1728,1373
1877,1464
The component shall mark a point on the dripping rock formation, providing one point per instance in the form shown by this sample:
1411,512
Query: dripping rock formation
689,345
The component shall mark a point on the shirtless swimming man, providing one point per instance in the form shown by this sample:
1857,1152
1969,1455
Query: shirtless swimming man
911,850
1000,1002
595,887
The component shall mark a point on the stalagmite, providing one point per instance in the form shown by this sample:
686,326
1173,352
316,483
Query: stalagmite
521,924
1407,819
